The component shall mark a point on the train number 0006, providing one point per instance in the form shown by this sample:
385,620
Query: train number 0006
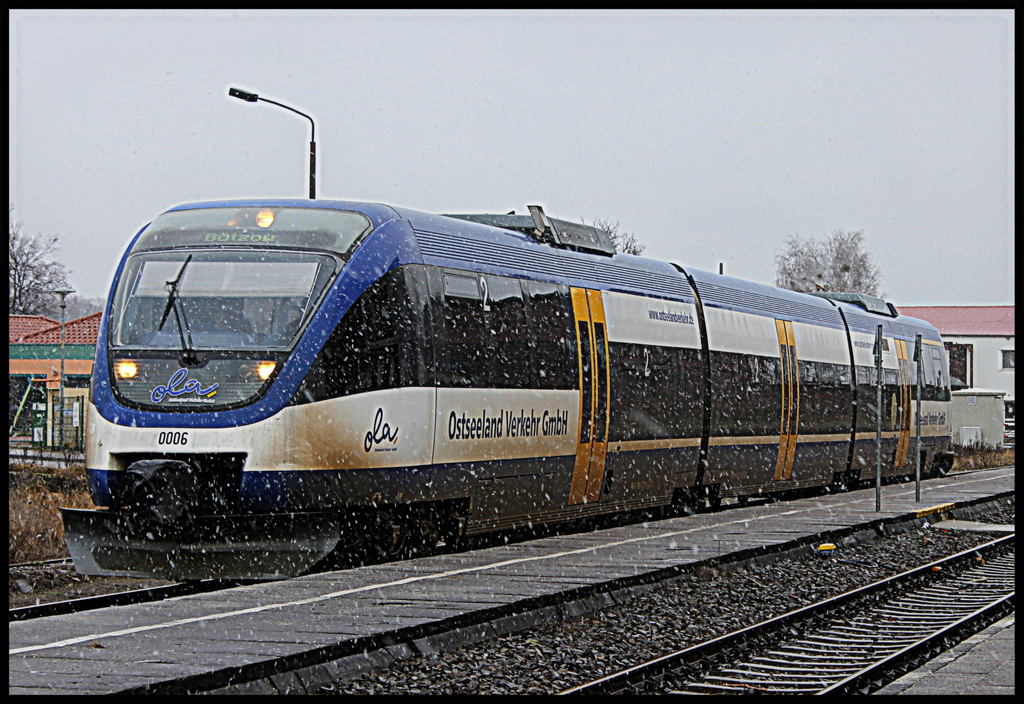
169,438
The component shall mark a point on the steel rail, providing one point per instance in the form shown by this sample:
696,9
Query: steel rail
725,648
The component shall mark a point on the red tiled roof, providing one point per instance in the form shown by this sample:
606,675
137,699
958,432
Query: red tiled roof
18,326
80,331
965,320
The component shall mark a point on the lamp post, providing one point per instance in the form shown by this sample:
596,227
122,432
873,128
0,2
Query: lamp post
253,97
63,293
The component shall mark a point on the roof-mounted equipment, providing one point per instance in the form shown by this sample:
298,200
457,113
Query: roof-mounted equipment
871,304
552,231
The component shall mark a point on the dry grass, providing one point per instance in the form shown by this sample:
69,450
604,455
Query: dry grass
980,458
36,531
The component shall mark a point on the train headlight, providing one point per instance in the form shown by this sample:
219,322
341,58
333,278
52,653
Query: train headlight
126,369
265,369
265,218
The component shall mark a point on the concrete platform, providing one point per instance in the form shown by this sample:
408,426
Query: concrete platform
982,664
954,524
295,635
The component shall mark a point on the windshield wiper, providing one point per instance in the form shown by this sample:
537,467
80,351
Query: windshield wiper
188,355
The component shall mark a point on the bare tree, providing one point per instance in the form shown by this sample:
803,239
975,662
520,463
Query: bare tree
79,306
32,272
835,264
625,242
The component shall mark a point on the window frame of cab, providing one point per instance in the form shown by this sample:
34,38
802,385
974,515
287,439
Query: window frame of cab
383,341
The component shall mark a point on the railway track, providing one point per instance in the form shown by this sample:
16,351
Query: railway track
852,643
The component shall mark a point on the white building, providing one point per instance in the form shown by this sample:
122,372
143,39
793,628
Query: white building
979,340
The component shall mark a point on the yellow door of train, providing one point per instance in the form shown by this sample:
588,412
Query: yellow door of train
789,420
901,418
595,392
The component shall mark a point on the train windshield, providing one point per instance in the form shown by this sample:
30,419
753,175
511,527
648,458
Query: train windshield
219,299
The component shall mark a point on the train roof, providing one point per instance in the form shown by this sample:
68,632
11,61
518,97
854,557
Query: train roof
500,244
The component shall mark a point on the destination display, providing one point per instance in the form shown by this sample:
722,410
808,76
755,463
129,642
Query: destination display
305,228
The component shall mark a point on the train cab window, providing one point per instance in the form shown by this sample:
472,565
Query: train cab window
465,330
550,323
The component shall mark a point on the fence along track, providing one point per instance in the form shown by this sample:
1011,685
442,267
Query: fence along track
843,655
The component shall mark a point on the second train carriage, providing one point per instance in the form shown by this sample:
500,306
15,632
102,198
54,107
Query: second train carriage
275,376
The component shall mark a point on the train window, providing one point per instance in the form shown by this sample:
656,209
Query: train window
769,374
627,368
827,374
465,331
648,394
550,323
866,376
600,432
379,356
866,398
843,375
508,349
461,287
808,372
738,406
366,349
941,381
416,323
661,398
585,401
753,374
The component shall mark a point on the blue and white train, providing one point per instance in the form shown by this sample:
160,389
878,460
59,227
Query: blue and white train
279,379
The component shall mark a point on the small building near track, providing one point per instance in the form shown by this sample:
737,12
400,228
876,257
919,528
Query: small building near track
978,418
980,342
34,354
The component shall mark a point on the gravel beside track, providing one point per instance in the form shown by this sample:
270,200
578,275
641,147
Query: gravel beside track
699,607
30,585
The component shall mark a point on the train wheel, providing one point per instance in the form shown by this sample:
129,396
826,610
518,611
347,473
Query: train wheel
389,537
714,500
840,483
424,537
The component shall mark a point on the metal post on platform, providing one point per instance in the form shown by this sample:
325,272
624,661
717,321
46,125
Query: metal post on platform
919,361
63,293
878,420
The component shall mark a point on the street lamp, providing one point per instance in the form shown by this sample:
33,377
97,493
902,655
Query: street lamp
253,97
63,293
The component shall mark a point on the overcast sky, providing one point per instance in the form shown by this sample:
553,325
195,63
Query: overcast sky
711,136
